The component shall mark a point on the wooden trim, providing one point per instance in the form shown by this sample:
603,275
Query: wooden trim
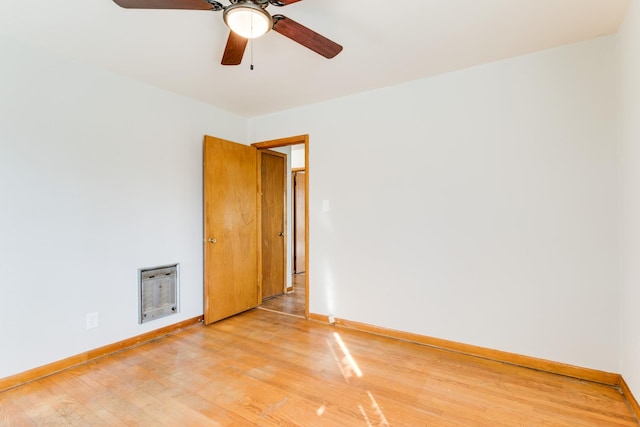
631,400
78,359
282,142
587,374
297,169
319,317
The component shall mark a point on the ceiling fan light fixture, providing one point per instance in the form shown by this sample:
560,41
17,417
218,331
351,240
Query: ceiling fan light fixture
247,20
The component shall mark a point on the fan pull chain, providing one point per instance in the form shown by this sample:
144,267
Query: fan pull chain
251,48
251,43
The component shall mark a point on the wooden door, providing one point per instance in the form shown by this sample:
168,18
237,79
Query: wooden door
273,180
231,252
299,185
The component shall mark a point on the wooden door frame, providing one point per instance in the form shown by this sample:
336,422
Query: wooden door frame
284,142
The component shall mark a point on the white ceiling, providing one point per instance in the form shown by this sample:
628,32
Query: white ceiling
385,43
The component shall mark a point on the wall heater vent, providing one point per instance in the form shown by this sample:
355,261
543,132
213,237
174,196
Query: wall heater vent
158,292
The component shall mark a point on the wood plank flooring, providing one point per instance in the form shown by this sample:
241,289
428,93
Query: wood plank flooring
263,368
291,303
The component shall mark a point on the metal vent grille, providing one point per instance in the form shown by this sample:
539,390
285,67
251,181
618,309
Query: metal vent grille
158,292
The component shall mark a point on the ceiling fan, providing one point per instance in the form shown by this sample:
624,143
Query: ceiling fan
247,19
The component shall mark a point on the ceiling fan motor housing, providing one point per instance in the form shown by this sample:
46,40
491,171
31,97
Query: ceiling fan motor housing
262,3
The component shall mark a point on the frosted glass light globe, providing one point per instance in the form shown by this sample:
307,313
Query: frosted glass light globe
248,20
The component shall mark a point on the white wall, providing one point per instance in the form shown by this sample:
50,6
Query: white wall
477,206
297,156
629,48
99,175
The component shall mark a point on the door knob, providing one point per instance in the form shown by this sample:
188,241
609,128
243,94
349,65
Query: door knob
212,240
281,234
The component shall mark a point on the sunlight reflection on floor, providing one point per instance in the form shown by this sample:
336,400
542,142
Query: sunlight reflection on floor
350,370
347,359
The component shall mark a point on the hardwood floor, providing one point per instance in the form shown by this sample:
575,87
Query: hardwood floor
291,303
263,368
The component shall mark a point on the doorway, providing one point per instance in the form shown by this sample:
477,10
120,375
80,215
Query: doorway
273,171
232,206
294,301
299,181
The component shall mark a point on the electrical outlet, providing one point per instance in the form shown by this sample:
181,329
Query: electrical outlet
92,320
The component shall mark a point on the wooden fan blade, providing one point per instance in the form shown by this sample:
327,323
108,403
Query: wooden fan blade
234,51
166,4
306,37
283,2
